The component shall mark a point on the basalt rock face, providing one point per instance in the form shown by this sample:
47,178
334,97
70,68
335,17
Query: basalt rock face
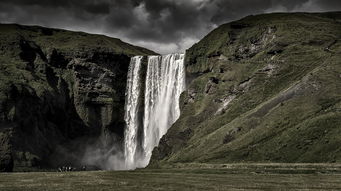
261,89
60,91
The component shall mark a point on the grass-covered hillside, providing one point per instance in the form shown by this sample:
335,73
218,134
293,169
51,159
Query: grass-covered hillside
59,91
266,88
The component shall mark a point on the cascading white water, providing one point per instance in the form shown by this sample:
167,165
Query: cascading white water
131,111
165,81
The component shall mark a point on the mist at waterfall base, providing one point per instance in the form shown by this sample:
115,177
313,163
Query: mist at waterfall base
151,107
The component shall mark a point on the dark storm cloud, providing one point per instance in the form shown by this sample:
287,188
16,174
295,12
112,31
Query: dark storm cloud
162,25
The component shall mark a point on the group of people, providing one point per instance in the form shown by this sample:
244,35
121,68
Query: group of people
70,168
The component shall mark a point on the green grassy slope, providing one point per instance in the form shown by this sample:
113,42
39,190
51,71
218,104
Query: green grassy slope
22,45
68,40
262,89
45,41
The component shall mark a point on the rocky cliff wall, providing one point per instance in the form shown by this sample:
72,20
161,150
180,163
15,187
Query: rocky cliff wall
61,92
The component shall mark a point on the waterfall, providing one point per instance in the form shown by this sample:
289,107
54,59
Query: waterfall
164,82
131,111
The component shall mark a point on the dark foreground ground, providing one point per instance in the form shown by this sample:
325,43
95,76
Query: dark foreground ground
185,177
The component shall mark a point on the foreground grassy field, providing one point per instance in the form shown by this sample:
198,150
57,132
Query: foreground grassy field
185,177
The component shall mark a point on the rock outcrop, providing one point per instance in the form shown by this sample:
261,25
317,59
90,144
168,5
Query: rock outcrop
60,92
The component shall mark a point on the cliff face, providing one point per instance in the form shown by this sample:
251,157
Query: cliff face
60,91
262,89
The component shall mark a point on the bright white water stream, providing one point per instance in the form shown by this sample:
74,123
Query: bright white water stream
164,82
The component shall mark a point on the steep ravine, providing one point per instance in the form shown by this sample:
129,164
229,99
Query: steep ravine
62,93
265,88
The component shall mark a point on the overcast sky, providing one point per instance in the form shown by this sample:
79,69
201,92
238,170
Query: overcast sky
165,26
